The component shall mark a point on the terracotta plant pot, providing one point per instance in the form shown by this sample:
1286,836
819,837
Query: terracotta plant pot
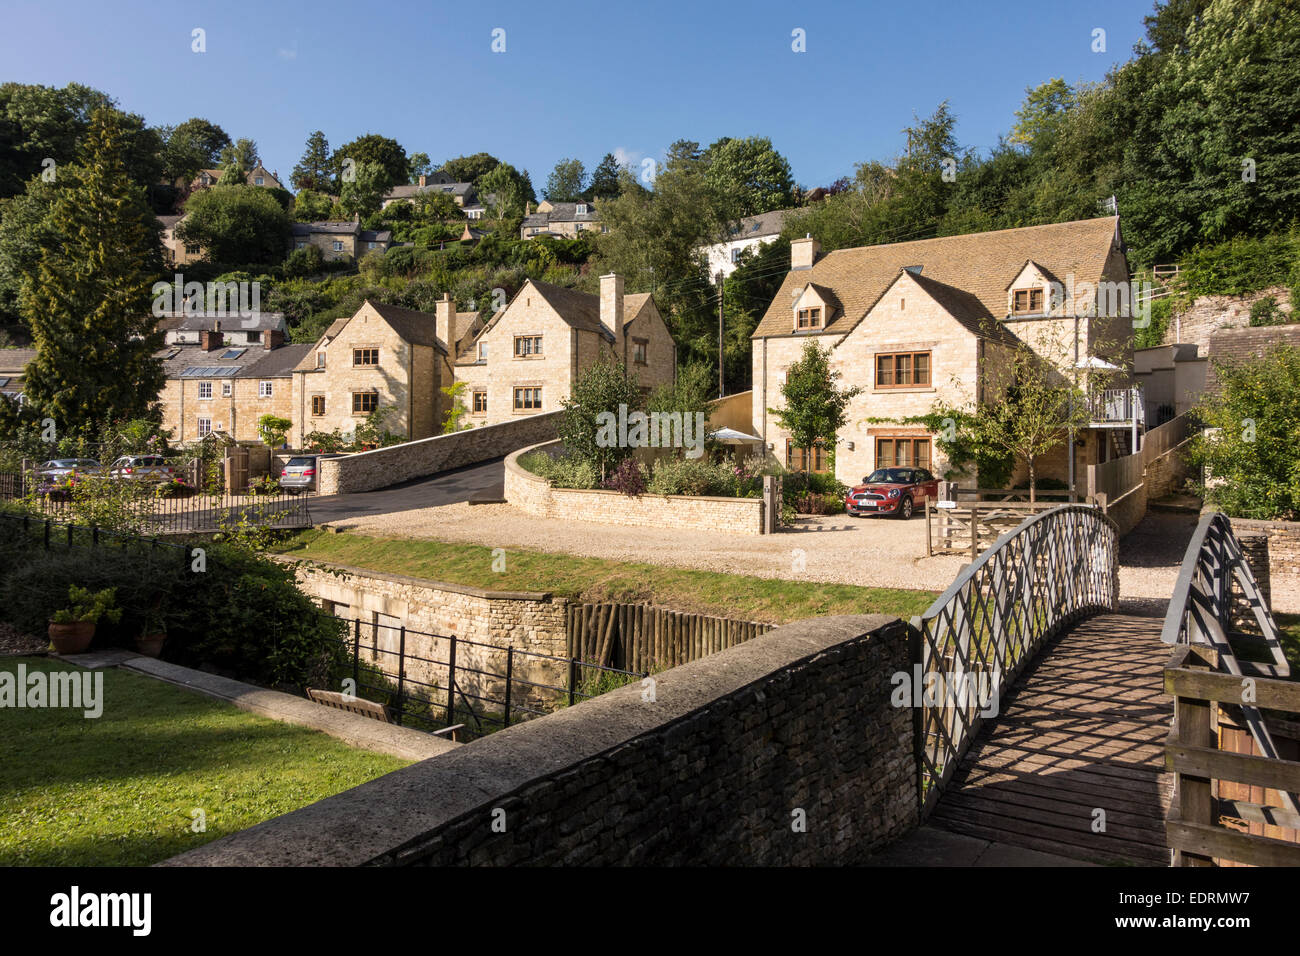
150,645
72,638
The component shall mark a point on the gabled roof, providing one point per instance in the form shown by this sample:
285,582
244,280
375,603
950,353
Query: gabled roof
13,361
200,321
418,328
581,310
979,265
761,226
278,362
962,306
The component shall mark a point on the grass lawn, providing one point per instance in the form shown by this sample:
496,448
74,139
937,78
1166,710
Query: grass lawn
1289,625
121,789
771,600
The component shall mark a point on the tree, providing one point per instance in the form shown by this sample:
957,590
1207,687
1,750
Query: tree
1041,115
309,206
469,169
603,387
509,190
748,176
272,429
377,150
88,301
1251,445
237,161
193,145
236,225
566,181
605,181
420,166
815,407
313,170
456,410
364,195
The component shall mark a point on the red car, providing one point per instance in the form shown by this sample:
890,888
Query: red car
892,491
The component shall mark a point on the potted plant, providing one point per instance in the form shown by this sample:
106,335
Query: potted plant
149,641
73,628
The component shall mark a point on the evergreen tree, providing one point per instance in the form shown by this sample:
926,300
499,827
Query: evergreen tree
313,170
605,180
88,301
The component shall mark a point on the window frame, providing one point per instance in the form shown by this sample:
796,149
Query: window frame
200,422
478,401
913,442
1032,294
813,313
528,351
641,351
536,406
205,387
797,459
366,398
359,354
318,406
265,389
895,360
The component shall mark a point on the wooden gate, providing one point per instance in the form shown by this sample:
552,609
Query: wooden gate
645,637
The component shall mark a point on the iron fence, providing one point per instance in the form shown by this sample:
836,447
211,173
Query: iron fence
157,507
435,681
1053,569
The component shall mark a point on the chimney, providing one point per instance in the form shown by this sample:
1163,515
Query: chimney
424,180
210,339
444,320
611,306
273,339
528,208
804,252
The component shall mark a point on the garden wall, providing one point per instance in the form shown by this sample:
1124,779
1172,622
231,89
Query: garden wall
534,495
369,470
1283,544
783,750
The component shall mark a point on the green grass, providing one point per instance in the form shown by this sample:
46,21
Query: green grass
771,600
120,789
1289,625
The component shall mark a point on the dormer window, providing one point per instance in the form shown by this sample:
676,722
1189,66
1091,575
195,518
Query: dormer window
808,318
1027,302
582,209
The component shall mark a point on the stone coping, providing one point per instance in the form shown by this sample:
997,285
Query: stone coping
355,730
376,822
544,597
1261,523
512,463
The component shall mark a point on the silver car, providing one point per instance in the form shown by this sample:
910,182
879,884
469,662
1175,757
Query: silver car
58,468
150,467
300,473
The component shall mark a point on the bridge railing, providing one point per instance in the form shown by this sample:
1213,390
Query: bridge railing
1053,569
1222,702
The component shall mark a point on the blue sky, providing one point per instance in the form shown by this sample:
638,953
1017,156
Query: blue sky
576,79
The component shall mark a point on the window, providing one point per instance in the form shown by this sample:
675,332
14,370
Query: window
320,359
1027,301
205,389
808,319
480,400
205,427
640,347
482,351
902,369
528,345
227,388
317,406
300,244
264,389
260,181
582,209
192,248
365,356
902,452
799,459
338,246
528,399
363,403
577,227
735,255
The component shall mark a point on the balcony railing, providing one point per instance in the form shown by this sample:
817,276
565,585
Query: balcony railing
1116,406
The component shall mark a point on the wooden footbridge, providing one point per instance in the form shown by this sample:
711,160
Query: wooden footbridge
1080,735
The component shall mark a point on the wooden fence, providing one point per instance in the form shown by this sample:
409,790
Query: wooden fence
1119,476
955,527
646,638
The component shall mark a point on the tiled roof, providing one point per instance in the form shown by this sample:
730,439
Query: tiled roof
193,361
566,212
278,362
976,266
418,328
13,361
348,227
760,226
1240,346
406,191
197,322
581,310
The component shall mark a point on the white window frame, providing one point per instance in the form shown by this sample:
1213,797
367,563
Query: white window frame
202,422
205,387
227,389
338,246
265,389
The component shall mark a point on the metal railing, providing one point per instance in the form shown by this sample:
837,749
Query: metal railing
1215,579
458,681
1053,569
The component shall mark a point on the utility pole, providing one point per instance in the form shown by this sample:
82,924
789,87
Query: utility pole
721,388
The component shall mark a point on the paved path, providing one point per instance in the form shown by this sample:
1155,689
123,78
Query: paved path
451,487
1083,731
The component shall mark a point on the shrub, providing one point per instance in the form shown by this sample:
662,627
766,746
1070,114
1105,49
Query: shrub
88,608
627,478
304,262
565,471
1266,312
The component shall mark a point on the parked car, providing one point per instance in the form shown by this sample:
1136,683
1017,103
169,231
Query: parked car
895,491
148,467
57,476
300,473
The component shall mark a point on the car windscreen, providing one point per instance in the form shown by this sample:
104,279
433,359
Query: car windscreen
299,462
900,476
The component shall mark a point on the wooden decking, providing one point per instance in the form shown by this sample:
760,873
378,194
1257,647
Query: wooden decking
1083,730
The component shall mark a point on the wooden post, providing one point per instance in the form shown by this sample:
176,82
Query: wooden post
974,530
929,552
1193,723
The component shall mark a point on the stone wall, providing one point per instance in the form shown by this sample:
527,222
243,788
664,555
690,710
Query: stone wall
533,622
1283,544
1216,313
416,459
783,750
534,495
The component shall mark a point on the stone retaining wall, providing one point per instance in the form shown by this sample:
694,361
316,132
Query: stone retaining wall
382,467
1283,544
534,495
783,750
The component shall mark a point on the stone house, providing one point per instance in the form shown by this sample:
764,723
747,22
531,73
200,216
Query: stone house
750,232
259,328
562,220
934,322
340,240
258,176
525,359
384,356
13,371
223,386
464,195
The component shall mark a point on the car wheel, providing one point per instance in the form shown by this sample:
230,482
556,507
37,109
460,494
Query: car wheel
905,509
